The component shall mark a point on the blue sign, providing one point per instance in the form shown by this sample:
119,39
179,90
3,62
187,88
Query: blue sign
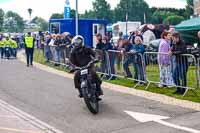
67,9
67,12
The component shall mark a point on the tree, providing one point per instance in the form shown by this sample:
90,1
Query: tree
30,12
88,14
73,13
57,16
13,22
159,16
102,10
189,8
179,12
43,24
1,19
173,20
136,10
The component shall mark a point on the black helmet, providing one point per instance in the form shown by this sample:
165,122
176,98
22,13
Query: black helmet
78,41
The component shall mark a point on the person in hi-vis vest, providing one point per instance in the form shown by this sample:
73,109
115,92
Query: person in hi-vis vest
29,47
2,46
13,46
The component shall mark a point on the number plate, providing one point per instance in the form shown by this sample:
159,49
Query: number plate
83,72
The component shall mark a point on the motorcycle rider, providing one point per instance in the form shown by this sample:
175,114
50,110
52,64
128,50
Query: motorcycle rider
7,43
80,56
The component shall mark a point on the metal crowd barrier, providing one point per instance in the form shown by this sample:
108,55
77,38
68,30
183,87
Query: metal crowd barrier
129,65
103,67
171,71
60,55
152,67
120,64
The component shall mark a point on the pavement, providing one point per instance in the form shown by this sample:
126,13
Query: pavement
48,101
12,123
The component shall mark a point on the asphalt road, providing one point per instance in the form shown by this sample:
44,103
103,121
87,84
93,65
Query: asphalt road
54,100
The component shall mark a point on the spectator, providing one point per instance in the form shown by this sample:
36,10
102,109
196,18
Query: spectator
111,61
47,51
164,60
109,35
99,44
67,41
53,38
138,50
52,46
128,58
57,44
178,49
37,38
173,57
118,56
133,35
119,42
108,45
100,49
63,47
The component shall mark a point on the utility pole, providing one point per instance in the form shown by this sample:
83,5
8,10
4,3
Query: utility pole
126,17
145,20
76,17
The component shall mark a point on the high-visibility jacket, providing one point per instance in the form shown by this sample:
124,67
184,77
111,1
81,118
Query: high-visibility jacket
13,44
2,44
29,42
7,42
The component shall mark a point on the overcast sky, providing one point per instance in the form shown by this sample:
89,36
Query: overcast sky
44,8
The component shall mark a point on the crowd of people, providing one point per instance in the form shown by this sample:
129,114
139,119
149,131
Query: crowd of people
60,42
8,47
130,51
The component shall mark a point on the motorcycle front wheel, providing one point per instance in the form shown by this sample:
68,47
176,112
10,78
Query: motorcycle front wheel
91,101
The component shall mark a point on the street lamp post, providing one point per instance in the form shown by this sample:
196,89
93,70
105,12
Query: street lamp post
76,17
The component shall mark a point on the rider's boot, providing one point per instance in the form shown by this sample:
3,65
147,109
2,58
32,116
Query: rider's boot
80,93
100,91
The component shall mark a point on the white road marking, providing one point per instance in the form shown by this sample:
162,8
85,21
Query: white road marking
30,119
141,117
9,117
18,130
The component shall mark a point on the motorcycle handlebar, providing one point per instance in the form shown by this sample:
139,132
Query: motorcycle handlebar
88,65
